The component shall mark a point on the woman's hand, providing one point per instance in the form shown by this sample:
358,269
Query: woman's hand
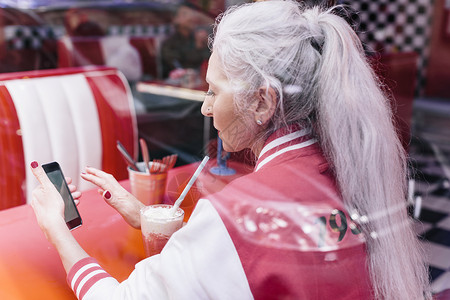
76,195
47,204
115,195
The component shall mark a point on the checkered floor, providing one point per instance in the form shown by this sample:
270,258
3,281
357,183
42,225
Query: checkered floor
432,184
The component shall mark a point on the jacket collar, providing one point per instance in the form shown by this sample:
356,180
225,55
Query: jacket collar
282,141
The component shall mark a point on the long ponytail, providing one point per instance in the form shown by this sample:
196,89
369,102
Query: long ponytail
357,133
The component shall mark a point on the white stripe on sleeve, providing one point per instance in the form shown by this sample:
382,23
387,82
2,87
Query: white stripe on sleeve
85,279
80,271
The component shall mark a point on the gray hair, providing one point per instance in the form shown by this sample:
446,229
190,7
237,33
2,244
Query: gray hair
315,62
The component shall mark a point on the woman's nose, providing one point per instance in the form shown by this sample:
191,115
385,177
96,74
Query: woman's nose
207,109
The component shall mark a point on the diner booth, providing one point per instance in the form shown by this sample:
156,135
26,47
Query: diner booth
67,94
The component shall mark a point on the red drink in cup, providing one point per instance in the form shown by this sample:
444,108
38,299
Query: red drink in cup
157,226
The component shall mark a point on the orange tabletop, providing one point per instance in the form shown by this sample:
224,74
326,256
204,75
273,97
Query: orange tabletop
30,267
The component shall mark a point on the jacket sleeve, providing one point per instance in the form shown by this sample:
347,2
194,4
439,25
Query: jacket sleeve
199,262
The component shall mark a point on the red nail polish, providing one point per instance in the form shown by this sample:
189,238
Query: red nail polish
34,164
107,195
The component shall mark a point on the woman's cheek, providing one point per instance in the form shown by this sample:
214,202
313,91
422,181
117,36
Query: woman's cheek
235,137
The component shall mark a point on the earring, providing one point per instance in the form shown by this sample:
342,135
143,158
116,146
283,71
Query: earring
208,109
259,122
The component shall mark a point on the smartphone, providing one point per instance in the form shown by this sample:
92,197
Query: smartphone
71,214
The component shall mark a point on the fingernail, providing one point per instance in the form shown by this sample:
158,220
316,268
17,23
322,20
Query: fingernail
34,164
107,195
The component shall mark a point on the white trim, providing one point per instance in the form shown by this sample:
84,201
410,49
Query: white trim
132,112
80,271
97,73
290,148
86,278
284,139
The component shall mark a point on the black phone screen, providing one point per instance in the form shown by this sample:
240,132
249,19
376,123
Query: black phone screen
71,214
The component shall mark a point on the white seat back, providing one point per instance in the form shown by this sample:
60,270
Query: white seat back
59,122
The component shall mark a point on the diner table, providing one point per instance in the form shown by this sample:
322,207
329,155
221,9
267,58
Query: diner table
30,268
169,90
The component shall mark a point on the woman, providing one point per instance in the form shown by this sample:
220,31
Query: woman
323,214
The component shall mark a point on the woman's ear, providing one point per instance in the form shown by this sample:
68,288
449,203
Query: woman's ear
266,102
